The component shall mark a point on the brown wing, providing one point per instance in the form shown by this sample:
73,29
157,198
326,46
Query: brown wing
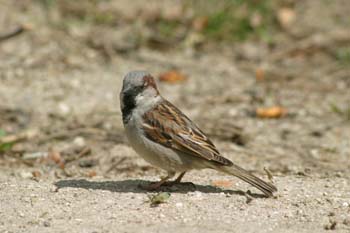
167,125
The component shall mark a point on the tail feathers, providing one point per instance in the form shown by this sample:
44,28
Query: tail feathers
266,188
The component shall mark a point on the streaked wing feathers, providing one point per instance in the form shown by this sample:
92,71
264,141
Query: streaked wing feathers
167,125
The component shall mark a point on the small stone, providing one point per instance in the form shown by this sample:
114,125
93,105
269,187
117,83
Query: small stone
88,163
26,175
315,153
179,204
345,204
35,155
318,200
107,126
79,141
331,226
331,214
54,189
64,108
197,195
47,224
346,221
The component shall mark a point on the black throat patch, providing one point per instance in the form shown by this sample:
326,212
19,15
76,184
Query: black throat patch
129,103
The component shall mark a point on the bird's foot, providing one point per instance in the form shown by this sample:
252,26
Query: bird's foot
181,184
152,186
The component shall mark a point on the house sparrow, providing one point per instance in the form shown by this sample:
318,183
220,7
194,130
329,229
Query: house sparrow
167,139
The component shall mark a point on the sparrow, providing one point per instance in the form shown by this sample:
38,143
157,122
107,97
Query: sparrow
166,138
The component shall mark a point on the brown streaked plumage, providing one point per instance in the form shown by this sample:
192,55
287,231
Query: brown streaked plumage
180,133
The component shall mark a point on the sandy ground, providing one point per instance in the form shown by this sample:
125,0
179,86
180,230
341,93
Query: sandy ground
100,205
68,95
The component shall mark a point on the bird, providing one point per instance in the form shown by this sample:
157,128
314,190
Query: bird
167,139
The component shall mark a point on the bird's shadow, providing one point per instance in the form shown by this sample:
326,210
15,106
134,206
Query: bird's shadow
135,186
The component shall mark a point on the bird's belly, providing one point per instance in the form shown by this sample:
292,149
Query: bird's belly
156,154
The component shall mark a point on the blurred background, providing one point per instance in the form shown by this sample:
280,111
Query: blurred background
267,80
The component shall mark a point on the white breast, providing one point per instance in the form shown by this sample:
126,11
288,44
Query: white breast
152,152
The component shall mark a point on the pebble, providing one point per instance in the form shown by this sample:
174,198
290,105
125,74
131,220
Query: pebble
197,194
345,204
299,212
54,189
289,215
26,175
179,204
346,221
79,141
35,155
64,108
47,224
314,153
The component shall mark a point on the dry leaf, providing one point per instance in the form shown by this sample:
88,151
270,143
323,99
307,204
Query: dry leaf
172,76
272,112
286,16
200,23
92,174
259,74
222,183
36,174
56,157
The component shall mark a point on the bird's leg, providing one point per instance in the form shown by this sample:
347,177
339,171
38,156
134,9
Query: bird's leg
178,179
156,185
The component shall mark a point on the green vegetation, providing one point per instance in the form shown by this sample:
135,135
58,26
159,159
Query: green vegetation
167,28
231,20
4,146
2,133
226,20
343,55
83,11
344,113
